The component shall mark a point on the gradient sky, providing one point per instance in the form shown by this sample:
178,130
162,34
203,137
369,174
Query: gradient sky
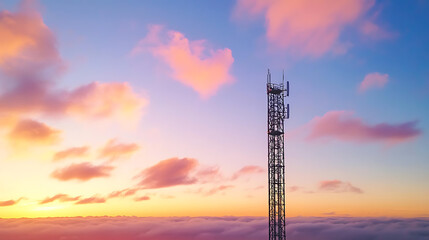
158,108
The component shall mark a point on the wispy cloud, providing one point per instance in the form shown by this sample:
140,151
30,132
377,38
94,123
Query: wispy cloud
342,125
60,197
74,152
114,150
247,170
89,200
338,186
10,202
82,171
193,63
373,80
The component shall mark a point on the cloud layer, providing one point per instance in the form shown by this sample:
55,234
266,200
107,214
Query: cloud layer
193,63
203,228
114,150
306,27
342,125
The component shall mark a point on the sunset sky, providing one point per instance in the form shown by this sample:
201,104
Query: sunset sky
158,108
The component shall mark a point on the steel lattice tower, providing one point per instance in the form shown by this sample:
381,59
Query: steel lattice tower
277,113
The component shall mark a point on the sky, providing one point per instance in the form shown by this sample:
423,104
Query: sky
158,109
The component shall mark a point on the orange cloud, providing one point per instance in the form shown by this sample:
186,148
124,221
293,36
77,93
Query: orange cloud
218,189
247,170
193,63
373,80
338,186
143,198
28,131
59,197
342,125
124,193
91,200
30,60
306,27
96,99
82,171
168,173
26,43
114,150
9,202
71,153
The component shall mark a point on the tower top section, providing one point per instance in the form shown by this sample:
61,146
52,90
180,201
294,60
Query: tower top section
277,88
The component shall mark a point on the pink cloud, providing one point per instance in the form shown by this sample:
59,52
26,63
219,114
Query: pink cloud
124,193
168,173
193,63
59,197
218,189
114,150
27,44
100,100
29,131
373,80
82,171
210,228
30,61
142,198
91,200
306,27
338,186
342,125
71,153
246,170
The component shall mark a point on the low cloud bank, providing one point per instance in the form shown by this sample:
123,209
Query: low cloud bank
210,228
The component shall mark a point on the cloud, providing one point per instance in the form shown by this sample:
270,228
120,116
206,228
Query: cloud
28,131
293,188
82,171
142,198
71,153
193,63
209,228
218,189
27,45
91,200
10,202
100,100
373,80
124,193
305,27
208,174
338,186
342,125
114,150
30,63
60,197
246,170
168,173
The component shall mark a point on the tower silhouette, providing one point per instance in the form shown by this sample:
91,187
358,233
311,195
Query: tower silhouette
277,113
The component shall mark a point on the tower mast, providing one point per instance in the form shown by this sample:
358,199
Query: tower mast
277,113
